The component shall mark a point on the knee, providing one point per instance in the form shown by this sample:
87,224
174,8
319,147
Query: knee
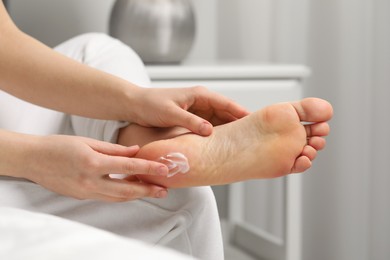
200,200
99,44
111,55
192,200
88,40
93,36
96,43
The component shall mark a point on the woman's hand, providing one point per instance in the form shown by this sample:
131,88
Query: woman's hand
195,108
79,167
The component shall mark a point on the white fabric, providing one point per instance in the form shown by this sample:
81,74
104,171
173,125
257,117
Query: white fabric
187,220
36,236
19,116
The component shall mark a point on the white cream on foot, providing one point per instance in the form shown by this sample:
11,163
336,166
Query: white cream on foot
176,163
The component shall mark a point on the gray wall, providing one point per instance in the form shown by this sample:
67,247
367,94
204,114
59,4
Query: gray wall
346,199
348,216
54,21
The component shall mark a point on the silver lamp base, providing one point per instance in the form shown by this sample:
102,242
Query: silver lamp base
160,31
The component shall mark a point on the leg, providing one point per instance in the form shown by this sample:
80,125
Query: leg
23,117
107,54
269,143
177,221
57,238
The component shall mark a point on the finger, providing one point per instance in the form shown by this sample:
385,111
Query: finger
113,149
122,190
222,118
221,103
235,110
191,121
132,166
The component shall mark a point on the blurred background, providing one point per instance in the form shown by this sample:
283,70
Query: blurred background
346,45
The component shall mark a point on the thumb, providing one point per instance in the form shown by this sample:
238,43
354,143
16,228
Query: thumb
192,122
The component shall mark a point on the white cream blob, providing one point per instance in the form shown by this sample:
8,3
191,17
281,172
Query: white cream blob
176,163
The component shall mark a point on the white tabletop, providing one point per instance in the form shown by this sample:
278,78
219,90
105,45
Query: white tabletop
215,71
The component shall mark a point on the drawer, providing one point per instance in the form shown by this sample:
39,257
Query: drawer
252,94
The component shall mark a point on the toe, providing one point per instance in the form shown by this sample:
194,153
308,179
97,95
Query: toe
319,129
317,142
301,164
313,110
310,152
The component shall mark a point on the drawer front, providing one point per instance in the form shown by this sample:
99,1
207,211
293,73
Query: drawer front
252,94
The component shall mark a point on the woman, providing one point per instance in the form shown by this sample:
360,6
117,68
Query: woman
105,106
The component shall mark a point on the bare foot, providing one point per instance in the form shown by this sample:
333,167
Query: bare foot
269,143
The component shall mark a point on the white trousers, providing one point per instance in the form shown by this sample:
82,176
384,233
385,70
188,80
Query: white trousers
187,220
38,236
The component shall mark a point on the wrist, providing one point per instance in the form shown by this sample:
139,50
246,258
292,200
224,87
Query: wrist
132,103
16,151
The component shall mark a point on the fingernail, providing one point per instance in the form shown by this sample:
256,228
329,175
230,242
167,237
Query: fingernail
161,194
205,129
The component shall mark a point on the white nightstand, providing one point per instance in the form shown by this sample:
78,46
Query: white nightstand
264,216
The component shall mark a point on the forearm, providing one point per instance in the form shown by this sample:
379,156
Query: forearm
37,74
15,148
